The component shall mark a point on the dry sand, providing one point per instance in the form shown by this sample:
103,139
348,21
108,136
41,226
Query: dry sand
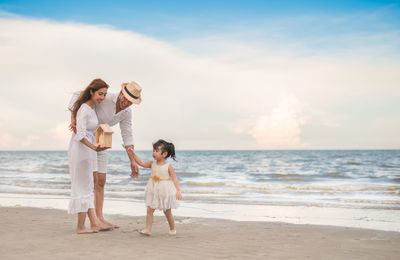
32,233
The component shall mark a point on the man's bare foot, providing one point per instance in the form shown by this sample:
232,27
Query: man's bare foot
85,231
144,232
106,223
172,232
115,226
99,227
95,228
105,227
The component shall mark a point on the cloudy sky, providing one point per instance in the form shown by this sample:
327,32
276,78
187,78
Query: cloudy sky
215,74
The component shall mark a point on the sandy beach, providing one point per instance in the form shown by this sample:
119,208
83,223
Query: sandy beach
33,233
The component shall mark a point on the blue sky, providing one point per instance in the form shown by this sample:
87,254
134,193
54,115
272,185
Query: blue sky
316,25
236,74
169,19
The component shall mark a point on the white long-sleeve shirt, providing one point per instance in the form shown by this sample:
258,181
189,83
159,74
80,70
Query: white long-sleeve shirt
106,115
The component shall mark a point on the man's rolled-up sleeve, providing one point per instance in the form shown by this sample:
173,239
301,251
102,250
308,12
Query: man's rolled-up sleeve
126,129
73,99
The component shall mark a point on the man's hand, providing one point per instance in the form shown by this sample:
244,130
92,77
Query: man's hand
134,169
72,126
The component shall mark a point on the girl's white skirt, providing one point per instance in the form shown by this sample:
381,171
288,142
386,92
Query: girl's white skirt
160,195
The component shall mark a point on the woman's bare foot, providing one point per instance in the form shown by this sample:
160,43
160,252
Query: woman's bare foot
172,232
144,232
85,231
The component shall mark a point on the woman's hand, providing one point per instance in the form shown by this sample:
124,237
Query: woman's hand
178,195
98,148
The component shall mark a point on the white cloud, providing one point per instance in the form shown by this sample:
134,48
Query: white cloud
8,141
282,126
12,142
61,134
29,140
190,99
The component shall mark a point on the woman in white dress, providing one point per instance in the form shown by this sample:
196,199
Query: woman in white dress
82,153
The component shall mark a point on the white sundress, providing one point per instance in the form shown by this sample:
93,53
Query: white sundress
81,159
160,191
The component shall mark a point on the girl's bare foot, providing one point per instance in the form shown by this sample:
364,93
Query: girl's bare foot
172,232
144,232
85,231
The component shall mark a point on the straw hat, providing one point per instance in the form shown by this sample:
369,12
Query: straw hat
131,91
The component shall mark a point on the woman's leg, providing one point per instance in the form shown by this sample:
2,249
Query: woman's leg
81,229
171,221
95,224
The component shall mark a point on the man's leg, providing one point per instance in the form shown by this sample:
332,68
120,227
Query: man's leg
99,183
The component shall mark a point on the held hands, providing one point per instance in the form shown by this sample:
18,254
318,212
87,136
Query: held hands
178,195
135,170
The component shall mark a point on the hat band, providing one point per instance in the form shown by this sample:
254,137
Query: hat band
129,93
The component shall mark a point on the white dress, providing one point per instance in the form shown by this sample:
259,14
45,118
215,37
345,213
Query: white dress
81,159
160,191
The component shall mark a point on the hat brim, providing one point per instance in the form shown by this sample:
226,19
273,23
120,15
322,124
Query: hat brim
128,97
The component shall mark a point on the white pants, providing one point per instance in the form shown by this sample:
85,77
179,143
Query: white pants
100,162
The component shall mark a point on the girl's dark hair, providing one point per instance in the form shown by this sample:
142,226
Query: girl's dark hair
95,85
166,147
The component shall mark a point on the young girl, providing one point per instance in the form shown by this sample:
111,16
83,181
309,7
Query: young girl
162,190
81,155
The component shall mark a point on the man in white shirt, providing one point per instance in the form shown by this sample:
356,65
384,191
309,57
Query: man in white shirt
113,110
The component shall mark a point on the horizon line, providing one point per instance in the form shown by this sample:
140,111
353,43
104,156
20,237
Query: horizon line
188,150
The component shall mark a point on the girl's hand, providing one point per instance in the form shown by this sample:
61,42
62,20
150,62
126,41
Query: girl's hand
178,195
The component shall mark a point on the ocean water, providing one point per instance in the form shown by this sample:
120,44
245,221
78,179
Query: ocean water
360,179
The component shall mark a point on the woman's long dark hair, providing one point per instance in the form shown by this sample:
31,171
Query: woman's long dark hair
165,147
95,85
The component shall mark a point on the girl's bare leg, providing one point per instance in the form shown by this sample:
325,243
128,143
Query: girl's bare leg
149,222
171,221
81,229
